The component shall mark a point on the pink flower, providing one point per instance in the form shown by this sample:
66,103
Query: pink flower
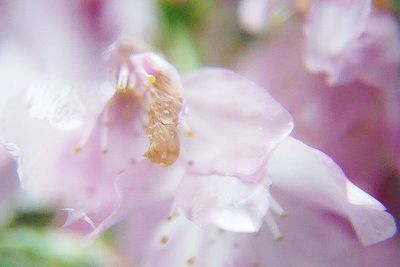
312,219
346,49
102,163
375,48
353,123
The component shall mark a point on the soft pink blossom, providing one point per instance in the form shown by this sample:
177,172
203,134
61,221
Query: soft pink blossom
90,160
346,49
354,123
313,219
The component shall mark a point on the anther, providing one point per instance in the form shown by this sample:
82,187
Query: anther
164,240
273,227
188,130
151,79
191,261
123,79
276,208
83,139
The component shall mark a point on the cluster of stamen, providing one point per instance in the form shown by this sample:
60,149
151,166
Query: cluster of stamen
159,97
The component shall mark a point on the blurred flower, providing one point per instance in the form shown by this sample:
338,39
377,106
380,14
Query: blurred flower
355,123
326,36
257,15
317,206
345,50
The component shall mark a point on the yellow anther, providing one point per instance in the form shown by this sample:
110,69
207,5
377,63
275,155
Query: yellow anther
122,89
77,149
151,79
189,132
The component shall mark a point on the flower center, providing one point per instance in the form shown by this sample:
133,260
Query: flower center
163,119
148,93
162,101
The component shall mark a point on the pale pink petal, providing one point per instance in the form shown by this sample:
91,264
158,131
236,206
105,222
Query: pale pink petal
235,124
152,238
253,14
311,175
57,103
317,237
75,169
374,57
257,15
224,201
118,17
59,45
332,25
137,188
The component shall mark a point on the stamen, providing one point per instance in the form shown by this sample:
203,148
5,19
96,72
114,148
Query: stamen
85,136
276,208
151,79
273,226
188,130
123,79
191,261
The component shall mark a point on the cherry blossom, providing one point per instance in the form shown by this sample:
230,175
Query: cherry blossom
313,219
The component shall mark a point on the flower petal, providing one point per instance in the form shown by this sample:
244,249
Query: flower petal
253,14
313,176
328,36
257,15
235,124
224,201
139,187
152,239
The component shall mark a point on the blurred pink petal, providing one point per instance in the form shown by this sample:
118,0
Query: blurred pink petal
327,37
257,15
347,122
374,58
313,176
253,14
